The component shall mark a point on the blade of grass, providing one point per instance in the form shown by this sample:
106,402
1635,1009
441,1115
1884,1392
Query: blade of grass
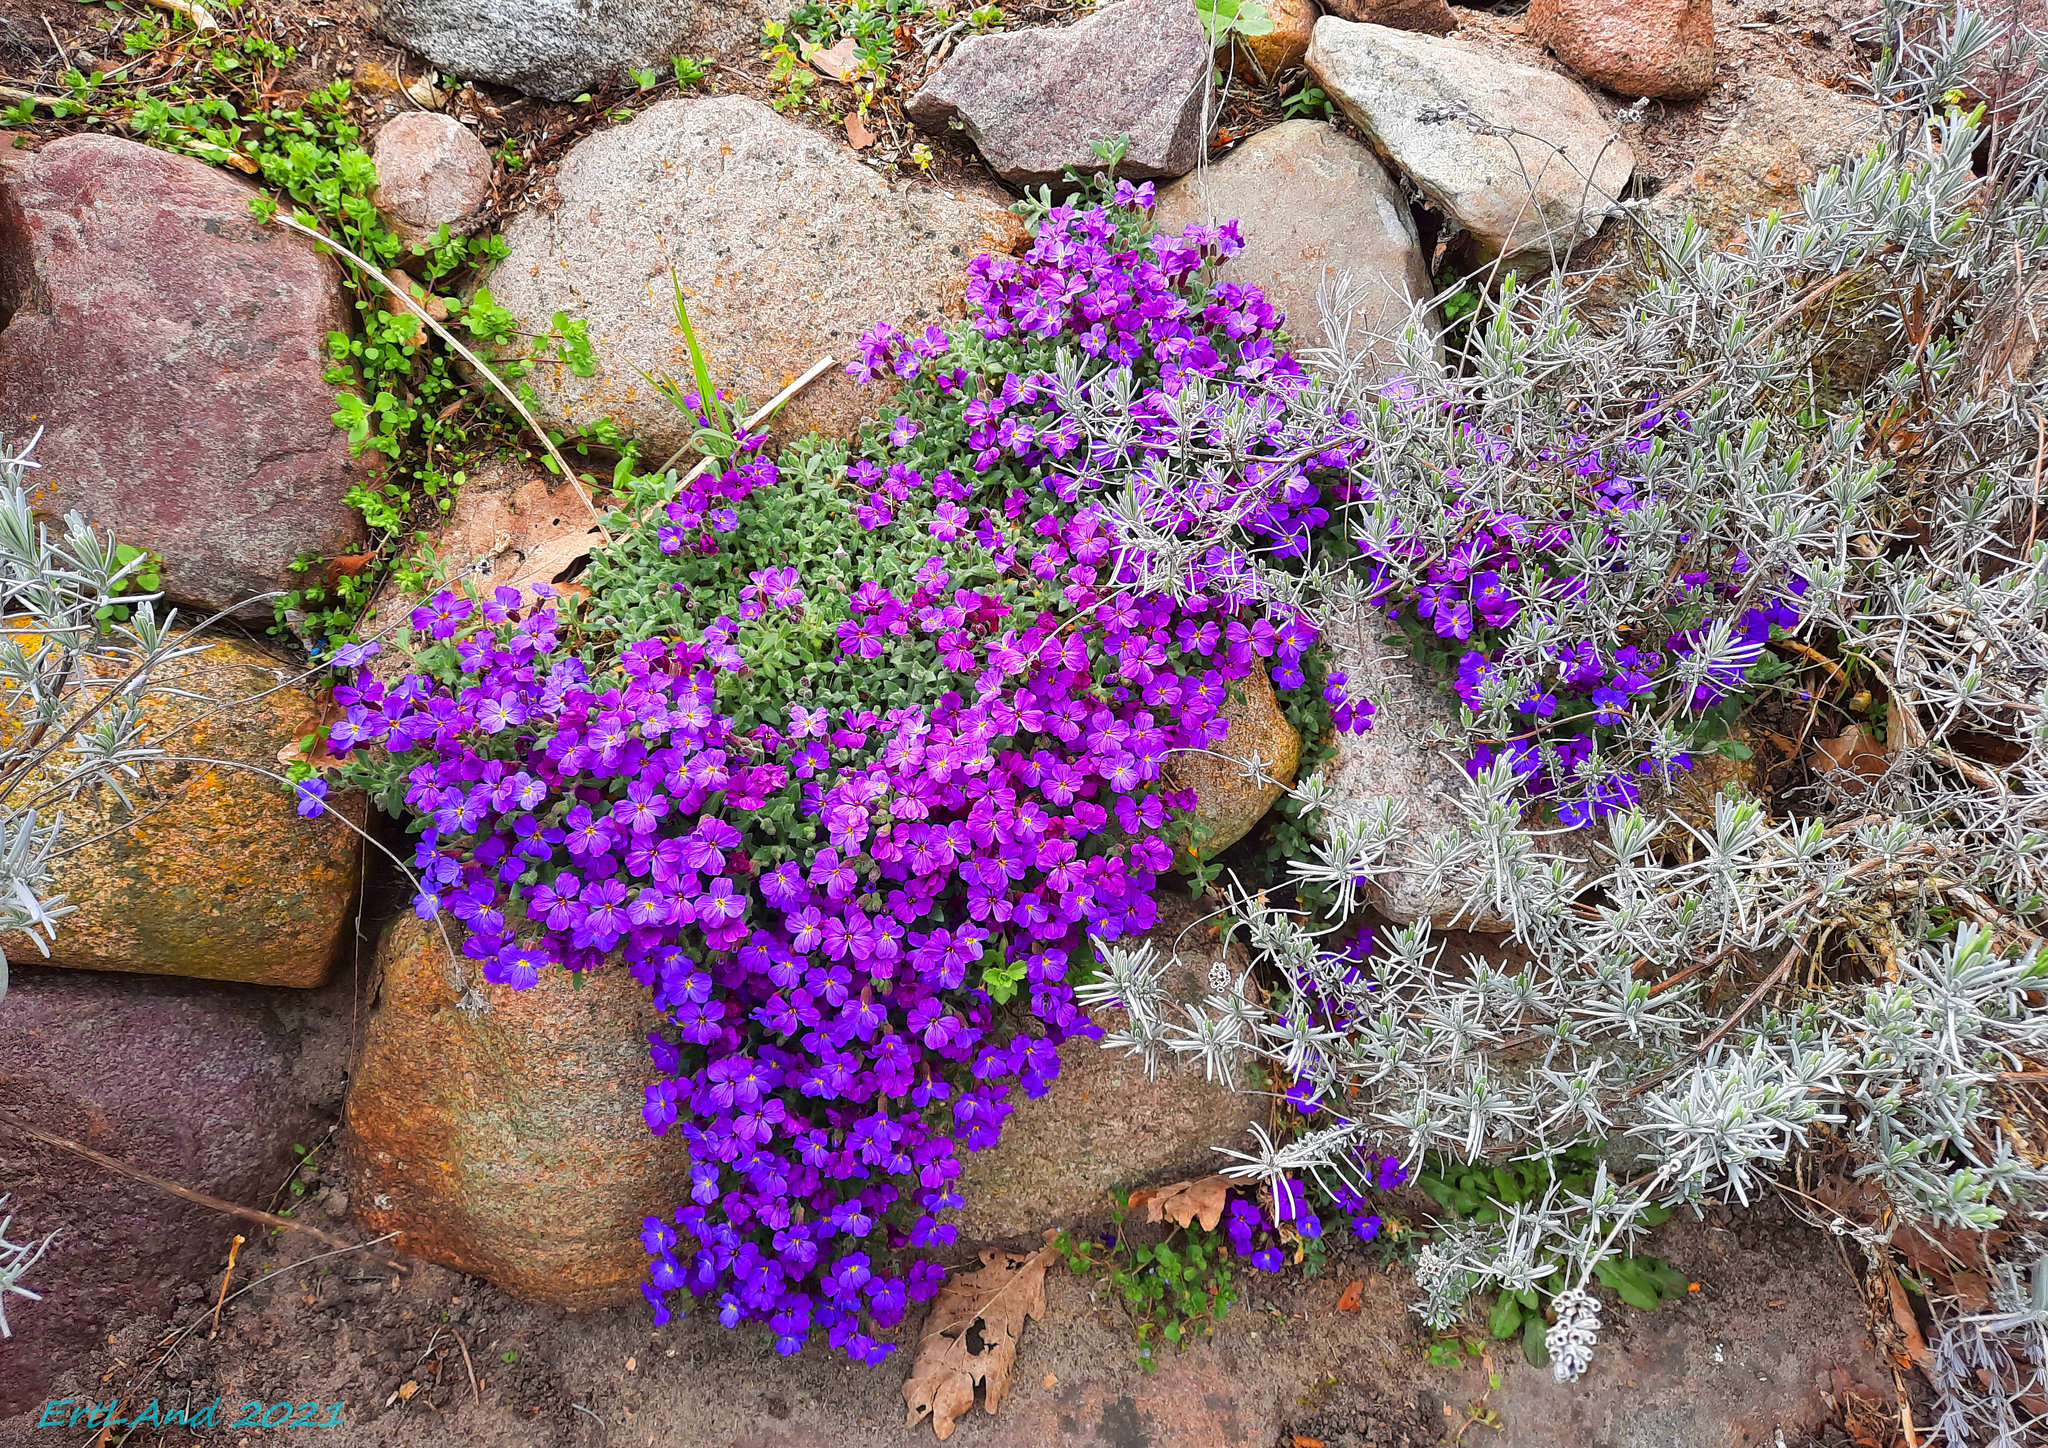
699,367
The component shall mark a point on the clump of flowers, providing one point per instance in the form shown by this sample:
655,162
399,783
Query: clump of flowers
847,758
1565,706
1257,1235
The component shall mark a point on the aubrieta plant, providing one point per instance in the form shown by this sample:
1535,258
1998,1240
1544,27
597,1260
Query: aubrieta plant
847,759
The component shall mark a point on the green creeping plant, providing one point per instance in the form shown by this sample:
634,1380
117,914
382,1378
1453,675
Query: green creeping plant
1171,1289
1482,1193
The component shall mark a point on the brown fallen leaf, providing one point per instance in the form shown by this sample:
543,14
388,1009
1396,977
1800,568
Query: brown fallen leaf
1185,1202
1909,1326
1347,1301
1902,726
858,135
1851,750
347,566
970,1336
321,757
837,62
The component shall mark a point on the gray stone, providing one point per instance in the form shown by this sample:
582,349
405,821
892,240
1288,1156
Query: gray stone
1310,202
432,172
786,247
1520,157
557,49
209,1086
1104,1124
171,349
1785,133
1399,758
1035,101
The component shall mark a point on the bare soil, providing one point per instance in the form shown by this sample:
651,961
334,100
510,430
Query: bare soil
1773,1340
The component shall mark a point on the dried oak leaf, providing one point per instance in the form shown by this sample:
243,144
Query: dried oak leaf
1185,1202
858,133
970,1336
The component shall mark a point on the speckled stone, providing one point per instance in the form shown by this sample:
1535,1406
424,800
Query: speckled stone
499,1130
787,249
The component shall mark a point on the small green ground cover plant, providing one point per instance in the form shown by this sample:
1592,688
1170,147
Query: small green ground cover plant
1173,1289
1503,1195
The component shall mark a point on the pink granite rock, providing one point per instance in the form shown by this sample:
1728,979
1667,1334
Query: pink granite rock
1431,17
1632,47
431,171
171,350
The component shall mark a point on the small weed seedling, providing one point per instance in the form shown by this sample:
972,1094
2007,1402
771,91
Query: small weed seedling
1170,1288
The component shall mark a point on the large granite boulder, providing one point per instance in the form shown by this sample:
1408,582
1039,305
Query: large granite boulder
171,351
786,247
1520,157
1311,203
210,1086
1035,102
499,1130
1634,47
210,871
557,49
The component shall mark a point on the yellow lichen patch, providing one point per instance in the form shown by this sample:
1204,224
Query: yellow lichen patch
212,873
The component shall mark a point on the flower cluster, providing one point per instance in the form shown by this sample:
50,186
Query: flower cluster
1256,1236
1480,569
873,747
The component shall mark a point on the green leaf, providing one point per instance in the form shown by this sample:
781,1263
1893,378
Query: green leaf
699,367
1506,1318
1534,1349
1630,1284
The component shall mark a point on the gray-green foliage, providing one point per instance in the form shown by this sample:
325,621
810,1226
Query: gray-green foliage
1866,416
16,1258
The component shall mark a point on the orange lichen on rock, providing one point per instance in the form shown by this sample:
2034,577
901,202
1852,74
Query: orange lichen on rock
499,1130
213,874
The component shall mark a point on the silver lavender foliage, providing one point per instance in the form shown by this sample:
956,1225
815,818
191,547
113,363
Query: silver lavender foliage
16,1258
1865,414
79,656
